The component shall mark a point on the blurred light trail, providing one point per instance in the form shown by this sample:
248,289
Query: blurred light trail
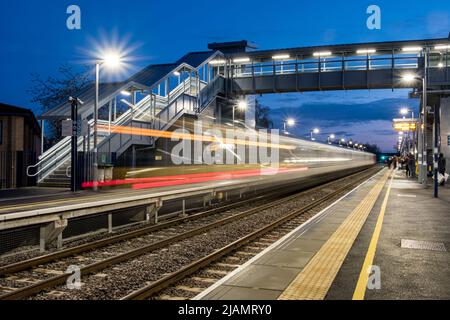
188,136
189,178
218,177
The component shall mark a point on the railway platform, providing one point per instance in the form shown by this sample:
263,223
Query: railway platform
386,239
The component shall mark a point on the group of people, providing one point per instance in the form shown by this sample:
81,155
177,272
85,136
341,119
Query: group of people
408,163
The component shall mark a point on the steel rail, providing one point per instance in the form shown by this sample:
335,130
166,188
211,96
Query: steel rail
157,286
51,257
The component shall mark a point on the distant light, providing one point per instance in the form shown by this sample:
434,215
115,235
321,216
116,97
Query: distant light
316,130
290,122
440,65
403,111
400,133
409,77
332,136
322,53
217,61
112,60
125,93
442,47
342,140
176,73
412,49
243,59
242,105
361,51
350,142
281,56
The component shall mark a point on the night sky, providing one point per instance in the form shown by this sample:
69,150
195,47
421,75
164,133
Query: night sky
34,38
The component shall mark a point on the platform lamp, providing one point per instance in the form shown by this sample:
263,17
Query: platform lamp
290,122
111,60
313,131
241,106
331,138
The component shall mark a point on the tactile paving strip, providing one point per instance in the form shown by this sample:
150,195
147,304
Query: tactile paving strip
314,281
423,245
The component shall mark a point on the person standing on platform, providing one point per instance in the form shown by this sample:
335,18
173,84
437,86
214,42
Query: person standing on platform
406,164
441,167
412,166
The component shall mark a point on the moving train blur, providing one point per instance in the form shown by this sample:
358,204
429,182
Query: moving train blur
296,158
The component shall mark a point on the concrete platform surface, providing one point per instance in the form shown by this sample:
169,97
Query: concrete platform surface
408,212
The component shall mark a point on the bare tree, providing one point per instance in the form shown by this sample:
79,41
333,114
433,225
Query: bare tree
262,115
52,91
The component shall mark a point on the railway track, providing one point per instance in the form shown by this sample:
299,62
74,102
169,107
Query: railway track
31,277
184,283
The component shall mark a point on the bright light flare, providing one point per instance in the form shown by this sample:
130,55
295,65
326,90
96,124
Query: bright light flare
281,57
115,53
316,130
412,49
242,59
403,111
365,51
322,53
408,77
112,60
442,47
332,136
290,122
242,105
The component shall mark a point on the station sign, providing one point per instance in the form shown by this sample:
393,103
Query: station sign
66,128
404,124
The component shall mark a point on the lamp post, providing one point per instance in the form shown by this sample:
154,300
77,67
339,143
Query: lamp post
422,155
341,141
110,60
313,131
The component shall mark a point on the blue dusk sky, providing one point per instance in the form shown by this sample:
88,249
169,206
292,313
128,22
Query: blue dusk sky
35,39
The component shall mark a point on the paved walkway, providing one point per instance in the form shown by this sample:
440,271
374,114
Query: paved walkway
368,229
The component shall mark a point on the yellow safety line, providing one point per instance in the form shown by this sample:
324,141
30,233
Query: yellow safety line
361,286
314,281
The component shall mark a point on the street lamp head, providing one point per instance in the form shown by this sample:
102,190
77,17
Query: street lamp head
409,77
112,59
242,105
404,111
316,130
342,140
332,136
290,122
